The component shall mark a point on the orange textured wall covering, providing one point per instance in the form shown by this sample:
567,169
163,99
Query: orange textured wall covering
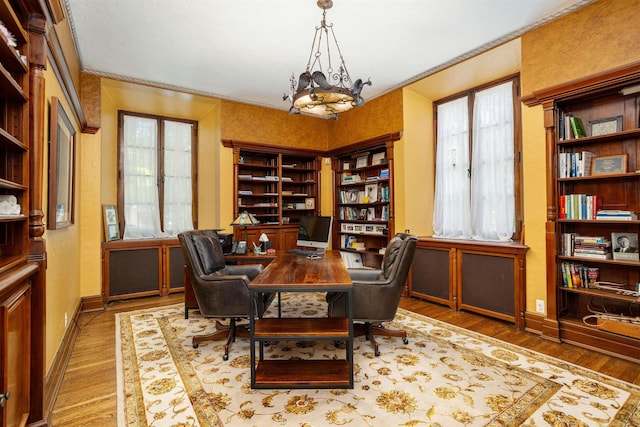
377,117
601,36
250,123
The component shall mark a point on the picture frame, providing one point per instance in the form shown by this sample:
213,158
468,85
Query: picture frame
62,167
625,246
111,225
310,203
605,126
608,165
361,162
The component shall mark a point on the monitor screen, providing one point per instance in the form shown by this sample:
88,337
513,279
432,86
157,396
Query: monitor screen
315,231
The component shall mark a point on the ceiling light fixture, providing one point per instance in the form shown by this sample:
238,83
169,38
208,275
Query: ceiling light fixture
321,94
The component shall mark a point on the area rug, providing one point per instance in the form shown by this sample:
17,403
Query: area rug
446,376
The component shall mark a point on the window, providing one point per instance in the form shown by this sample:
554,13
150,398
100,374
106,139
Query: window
478,145
156,175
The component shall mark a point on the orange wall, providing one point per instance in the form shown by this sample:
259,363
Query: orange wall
250,123
598,37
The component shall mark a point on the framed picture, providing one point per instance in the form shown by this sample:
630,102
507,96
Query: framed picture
625,246
111,226
310,203
361,161
605,165
62,167
605,126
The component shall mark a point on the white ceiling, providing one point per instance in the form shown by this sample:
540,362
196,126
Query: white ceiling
246,50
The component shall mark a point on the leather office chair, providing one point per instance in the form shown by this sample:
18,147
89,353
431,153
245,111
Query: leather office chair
221,290
376,293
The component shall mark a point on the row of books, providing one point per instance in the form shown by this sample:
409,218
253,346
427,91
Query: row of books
372,193
571,127
574,164
579,276
597,247
244,177
579,206
616,215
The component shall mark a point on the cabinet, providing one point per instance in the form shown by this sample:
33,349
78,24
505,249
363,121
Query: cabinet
277,186
135,268
608,105
363,209
476,276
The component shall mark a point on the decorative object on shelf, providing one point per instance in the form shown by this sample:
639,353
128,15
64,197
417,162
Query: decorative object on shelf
605,126
625,246
361,162
62,149
310,203
111,226
245,219
313,93
605,165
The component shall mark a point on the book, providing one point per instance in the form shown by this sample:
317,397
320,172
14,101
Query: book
577,127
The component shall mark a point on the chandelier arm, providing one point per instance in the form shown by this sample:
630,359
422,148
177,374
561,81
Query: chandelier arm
342,63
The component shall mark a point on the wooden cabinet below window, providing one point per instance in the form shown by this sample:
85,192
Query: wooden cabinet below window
482,277
135,268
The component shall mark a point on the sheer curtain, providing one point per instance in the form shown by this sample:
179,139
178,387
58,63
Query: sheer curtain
141,206
177,178
452,213
492,180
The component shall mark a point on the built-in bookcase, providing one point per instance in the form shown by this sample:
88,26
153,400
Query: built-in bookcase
593,137
363,208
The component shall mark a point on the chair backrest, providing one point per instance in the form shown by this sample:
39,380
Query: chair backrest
398,257
202,251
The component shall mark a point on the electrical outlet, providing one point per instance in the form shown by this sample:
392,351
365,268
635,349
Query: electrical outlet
66,319
540,306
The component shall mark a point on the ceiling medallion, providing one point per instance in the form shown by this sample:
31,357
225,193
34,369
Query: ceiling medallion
320,93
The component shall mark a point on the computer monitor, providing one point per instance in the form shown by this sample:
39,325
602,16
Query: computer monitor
315,232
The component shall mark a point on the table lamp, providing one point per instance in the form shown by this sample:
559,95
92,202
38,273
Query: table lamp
245,219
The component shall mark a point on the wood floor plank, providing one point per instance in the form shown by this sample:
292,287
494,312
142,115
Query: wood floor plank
87,394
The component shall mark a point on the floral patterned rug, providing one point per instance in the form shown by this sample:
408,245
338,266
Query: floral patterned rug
445,376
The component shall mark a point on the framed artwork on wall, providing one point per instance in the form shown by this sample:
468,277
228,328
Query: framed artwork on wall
62,166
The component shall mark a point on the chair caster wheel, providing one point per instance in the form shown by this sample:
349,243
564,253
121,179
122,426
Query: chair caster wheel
377,353
195,345
225,357
405,340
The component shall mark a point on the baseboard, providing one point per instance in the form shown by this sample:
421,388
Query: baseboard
533,322
61,360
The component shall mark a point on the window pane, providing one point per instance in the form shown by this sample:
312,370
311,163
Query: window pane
452,217
177,179
142,217
493,182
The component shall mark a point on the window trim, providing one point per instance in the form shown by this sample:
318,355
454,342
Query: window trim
160,158
518,235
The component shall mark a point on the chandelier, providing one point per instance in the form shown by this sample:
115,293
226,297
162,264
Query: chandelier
325,92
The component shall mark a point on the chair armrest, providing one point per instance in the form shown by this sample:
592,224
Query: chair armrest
249,270
363,274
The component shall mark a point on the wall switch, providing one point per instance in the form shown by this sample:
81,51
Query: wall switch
540,306
66,319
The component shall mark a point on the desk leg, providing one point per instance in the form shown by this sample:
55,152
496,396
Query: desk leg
252,343
350,339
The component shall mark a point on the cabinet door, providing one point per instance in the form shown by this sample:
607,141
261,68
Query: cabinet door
15,332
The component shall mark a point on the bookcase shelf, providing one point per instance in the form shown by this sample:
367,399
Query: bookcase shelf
363,198
277,186
593,100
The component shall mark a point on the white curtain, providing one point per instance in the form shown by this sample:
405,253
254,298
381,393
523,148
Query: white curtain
492,165
177,178
141,206
452,213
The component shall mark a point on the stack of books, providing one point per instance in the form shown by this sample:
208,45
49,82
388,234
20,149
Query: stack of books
616,215
579,276
592,247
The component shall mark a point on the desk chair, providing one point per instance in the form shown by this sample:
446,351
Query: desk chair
376,293
221,290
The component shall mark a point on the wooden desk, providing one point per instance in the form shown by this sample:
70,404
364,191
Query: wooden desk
296,273
247,258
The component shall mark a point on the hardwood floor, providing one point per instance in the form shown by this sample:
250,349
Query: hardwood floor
87,396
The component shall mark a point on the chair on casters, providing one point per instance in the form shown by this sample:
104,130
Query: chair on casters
221,290
376,293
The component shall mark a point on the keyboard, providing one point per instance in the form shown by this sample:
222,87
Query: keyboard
304,252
